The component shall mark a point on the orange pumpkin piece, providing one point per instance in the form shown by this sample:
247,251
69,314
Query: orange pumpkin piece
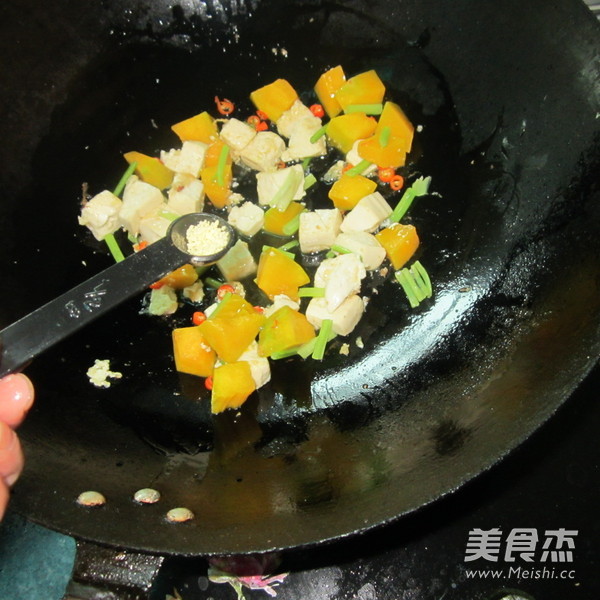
232,384
344,130
192,353
393,154
400,243
231,328
276,220
401,128
275,98
150,169
286,328
364,88
217,194
347,191
200,128
326,87
279,274
180,278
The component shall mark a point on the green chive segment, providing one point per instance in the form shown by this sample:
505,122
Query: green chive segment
415,282
419,188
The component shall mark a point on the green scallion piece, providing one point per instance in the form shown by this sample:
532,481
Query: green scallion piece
384,136
309,180
419,188
132,238
369,109
213,283
331,254
423,279
285,194
318,134
306,349
285,353
415,282
289,245
311,292
169,215
358,169
404,279
128,173
322,339
340,249
221,165
291,226
306,162
113,246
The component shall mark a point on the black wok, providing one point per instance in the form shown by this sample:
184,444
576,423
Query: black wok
508,95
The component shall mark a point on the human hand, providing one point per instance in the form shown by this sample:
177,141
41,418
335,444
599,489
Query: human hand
16,398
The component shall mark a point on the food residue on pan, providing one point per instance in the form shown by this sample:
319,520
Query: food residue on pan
100,374
324,178
91,498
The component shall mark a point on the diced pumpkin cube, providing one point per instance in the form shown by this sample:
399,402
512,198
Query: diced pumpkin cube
218,194
344,130
392,154
286,328
400,243
347,191
275,98
279,274
364,88
192,353
200,128
232,327
401,128
326,87
232,384
276,220
180,278
150,169
213,154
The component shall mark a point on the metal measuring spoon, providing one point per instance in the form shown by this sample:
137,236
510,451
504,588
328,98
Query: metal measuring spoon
31,335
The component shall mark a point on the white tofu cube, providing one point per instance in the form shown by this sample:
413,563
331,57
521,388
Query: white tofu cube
268,184
368,214
153,228
140,200
186,195
247,218
278,301
101,214
344,318
341,277
353,157
259,365
299,144
366,245
237,263
237,135
263,152
318,229
189,159
289,118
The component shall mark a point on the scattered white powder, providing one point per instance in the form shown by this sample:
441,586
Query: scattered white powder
100,372
206,238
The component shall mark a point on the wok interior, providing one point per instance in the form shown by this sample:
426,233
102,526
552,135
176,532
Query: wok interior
435,396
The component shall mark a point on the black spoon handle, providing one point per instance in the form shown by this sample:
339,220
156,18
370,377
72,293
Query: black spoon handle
49,324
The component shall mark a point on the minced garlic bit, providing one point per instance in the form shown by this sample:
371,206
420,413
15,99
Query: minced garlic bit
359,342
100,372
206,238
345,349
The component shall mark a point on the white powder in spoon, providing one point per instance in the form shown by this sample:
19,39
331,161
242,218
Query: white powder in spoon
206,238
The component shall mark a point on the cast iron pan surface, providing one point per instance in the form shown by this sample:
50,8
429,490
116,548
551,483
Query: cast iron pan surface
508,96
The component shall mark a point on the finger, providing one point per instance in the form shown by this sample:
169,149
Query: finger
3,498
16,398
11,455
